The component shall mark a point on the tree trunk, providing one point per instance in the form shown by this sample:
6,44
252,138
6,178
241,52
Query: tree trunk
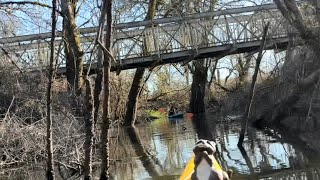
292,13
200,67
50,172
133,97
136,86
212,78
88,117
246,116
99,72
198,87
106,101
73,50
243,68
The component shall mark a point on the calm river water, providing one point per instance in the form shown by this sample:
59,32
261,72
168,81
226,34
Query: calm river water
160,150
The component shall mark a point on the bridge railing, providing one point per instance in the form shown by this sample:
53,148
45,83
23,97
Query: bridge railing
165,35
199,33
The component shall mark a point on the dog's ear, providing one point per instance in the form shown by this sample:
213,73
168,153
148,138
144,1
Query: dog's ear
213,144
200,141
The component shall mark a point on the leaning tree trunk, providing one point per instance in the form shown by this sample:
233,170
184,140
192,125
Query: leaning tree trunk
106,100
73,50
50,172
246,116
133,97
198,87
136,86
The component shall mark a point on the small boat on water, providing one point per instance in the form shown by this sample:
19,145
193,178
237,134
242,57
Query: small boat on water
176,115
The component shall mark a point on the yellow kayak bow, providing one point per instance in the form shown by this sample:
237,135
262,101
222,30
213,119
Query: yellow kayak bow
188,170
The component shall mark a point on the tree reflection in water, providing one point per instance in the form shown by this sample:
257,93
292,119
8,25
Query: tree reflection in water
145,157
202,128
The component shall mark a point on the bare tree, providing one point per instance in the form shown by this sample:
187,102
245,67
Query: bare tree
88,117
73,50
50,172
106,100
198,87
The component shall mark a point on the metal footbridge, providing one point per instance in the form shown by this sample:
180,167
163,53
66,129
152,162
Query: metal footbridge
164,40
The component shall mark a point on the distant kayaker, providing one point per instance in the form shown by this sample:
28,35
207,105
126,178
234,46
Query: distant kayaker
172,111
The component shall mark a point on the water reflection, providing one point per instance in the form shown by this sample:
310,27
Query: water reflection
160,150
201,126
144,156
262,157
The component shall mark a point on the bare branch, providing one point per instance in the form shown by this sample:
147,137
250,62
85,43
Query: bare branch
12,61
106,51
25,3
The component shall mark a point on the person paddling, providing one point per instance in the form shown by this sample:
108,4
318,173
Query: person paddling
172,110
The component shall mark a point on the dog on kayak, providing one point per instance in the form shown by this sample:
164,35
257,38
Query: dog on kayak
206,166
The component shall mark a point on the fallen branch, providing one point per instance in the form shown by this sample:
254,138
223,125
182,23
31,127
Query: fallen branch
11,164
60,163
12,61
8,110
163,94
222,87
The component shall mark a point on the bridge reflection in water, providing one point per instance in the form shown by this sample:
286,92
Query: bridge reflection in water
161,149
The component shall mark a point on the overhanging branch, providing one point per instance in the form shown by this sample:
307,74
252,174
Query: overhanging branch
25,3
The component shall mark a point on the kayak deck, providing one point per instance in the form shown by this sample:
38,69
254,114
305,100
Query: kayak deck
189,169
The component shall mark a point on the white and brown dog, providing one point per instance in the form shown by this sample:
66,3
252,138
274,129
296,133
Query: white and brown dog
206,165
